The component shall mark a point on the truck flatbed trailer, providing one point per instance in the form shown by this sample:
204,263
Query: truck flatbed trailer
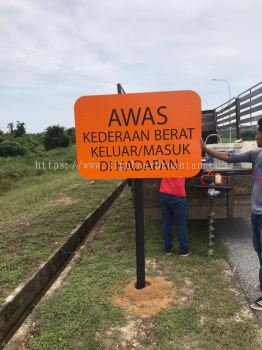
236,114
234,203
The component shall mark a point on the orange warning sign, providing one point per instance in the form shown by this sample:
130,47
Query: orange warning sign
139,135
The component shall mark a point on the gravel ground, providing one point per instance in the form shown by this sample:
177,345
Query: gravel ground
235,234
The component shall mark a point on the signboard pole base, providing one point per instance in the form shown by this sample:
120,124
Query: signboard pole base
140,247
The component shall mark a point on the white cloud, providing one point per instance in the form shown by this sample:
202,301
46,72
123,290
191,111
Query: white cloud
53,51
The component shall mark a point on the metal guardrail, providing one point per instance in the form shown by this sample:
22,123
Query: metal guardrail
241,111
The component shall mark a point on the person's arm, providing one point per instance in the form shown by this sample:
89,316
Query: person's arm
213,153
243,157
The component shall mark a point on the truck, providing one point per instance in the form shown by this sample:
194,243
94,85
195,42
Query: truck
234,116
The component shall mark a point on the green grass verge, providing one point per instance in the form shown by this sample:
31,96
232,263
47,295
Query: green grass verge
81,315
38,216
13,169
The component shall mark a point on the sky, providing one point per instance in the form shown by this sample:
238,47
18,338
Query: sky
52,52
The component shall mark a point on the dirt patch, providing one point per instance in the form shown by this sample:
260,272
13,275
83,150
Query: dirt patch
63,200
258,338
132,335
149,301
73,186
243,315
151,265
228,275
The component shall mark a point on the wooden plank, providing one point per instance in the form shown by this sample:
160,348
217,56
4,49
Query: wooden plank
208,121
208,115
208,118
243,180
233,118
238,203
204,211
210,124
252,94
242,211
251,103
229,113
228,120
152,200
256,92
229,123
153,213
208,127
226,127
250,119
252,110
232,104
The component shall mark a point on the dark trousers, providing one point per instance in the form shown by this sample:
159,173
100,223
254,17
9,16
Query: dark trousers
174,209
256,221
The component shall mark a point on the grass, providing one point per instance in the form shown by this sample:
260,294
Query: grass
13,169
81,315
30,191
37,216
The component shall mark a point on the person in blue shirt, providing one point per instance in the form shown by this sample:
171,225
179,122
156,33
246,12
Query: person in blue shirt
254,157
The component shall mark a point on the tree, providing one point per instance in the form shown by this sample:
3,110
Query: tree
10,126
72,134
55,137
10,148
20,129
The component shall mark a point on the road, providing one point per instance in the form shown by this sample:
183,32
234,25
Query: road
235,234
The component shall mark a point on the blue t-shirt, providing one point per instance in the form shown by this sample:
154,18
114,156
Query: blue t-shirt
254,157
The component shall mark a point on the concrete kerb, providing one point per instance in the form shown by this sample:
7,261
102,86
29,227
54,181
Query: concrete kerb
23,299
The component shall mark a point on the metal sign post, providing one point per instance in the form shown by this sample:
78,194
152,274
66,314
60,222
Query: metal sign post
140,250
139,217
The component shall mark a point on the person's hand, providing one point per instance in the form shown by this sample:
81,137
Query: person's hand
203,145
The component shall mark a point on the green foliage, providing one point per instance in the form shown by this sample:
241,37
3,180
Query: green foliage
20,129
55,137
39,137
28,141
248,134
17,131
16,142
10,127
35,218
228,135
10,148
34,163
71,134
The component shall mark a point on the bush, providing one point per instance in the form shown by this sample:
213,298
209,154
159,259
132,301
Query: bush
28,141
248,134
55,137
11,148
71,134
